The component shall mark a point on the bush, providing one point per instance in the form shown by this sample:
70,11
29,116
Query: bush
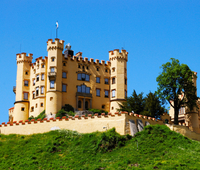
61,113
98,111
68,108
110,140
41,116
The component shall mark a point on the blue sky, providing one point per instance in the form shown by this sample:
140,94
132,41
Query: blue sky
151,31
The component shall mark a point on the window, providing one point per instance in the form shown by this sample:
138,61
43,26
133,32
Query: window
41,104
83,89
25,96
52,69
113,80
83,77
52,84
79,104
64,87
33,82
106,80
37,91
33,95
52,59
87,68
37,77
42,77
97,79
26,83
32,109
83,67
125,93
42,65
125,81
106,93
182,110
26,72
106,70
97,68
36,105
103,106
64,75
64,64
98,92
113,93
113,69
42,90
22,109
79,66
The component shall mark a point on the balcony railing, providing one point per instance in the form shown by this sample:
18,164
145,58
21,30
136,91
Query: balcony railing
14,89
52,75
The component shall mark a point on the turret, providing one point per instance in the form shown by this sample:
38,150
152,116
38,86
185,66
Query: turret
54,79
21,108
118,84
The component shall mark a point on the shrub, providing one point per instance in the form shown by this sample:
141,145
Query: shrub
41,116
99,111
68,108
61,113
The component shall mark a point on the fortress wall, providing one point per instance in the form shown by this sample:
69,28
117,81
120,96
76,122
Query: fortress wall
121,122
82,125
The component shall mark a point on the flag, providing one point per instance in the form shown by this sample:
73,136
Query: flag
57,25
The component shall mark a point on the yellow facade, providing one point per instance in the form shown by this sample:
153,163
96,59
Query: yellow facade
59,79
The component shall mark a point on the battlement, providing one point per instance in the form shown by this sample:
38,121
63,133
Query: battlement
116,54
57,44
24,58
89,61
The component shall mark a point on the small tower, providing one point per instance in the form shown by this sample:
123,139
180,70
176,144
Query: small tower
118,83
54,79
21,108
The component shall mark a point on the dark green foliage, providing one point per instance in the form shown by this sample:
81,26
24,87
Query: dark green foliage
110,140
158,148
174,81
41,116
61,113
98,111
149,105
68,108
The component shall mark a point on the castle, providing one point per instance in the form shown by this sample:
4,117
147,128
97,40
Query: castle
62,78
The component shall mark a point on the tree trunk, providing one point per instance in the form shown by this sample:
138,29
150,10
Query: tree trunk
176,112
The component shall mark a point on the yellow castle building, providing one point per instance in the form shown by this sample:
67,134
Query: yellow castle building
62,78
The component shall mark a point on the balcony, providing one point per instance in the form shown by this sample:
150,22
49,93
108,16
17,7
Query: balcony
14,89
83,94
52,75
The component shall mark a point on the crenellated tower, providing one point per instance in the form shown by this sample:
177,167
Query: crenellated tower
118,78
21,108
54,76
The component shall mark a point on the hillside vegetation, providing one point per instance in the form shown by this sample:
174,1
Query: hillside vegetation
156,147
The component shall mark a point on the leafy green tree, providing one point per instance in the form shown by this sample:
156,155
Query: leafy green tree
68,108
175,83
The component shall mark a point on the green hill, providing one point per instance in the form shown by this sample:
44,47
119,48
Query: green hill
154,148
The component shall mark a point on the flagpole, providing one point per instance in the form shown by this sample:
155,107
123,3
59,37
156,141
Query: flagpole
57,29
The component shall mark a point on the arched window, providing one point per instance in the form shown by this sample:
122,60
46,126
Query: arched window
79,104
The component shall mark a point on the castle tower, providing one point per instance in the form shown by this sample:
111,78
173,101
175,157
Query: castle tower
21,108
118,78
54,76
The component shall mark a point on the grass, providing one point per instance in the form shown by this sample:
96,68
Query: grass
154,148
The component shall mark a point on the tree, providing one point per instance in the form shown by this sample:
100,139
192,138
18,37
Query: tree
148,106
175,83
153,106
133,103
